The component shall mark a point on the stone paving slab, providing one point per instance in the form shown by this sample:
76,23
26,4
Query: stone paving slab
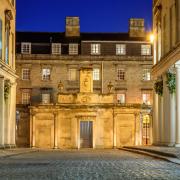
15,151
162,150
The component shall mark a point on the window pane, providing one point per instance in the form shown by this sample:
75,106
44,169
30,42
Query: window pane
95,48
120,74
45,98
25,97
26,74
120,49
73,49
146,74
146,99
145,50
7,45
25,48
96,74
46,73
56,48
121,98
72,75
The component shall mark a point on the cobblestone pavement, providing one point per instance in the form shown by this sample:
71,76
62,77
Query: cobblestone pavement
86,164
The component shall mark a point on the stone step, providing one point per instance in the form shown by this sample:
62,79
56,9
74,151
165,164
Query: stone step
151,154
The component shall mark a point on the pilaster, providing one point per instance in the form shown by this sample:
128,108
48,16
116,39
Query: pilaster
55,129
2,106
32,129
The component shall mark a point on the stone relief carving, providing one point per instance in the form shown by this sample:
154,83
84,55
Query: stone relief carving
85,99
86,80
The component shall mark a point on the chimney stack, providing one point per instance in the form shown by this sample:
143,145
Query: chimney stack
72,27
136,27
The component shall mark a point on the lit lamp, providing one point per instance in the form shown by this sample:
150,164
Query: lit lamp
60,87
110,87
152,37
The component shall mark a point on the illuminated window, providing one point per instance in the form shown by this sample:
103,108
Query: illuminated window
146,98
26,48
96,74
46,73
146,74
7,44
145,50
72,74
56,48
121,98
0,39
120,49
95,49
73,49
120,74
25,74
46,98
25,97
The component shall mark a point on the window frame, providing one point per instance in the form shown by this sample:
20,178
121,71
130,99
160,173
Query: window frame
95,49
26,74
146,100
121,73
26,100
70,74
55,49
146,51
22,48
73,49
43,100
119,94
146,76
120,49
96,74
45,77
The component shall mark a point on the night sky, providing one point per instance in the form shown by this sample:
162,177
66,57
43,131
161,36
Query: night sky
95,15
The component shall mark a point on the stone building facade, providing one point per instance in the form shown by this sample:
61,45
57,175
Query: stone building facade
7,73
118,61
166,69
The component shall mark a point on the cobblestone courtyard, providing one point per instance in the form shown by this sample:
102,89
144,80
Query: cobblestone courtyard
86,164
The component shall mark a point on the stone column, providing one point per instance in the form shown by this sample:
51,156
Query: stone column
160,119
155,124
13,114
172,122
1,111
177,104
55,130
166,112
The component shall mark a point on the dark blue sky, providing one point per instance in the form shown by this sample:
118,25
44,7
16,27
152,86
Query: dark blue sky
95,15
